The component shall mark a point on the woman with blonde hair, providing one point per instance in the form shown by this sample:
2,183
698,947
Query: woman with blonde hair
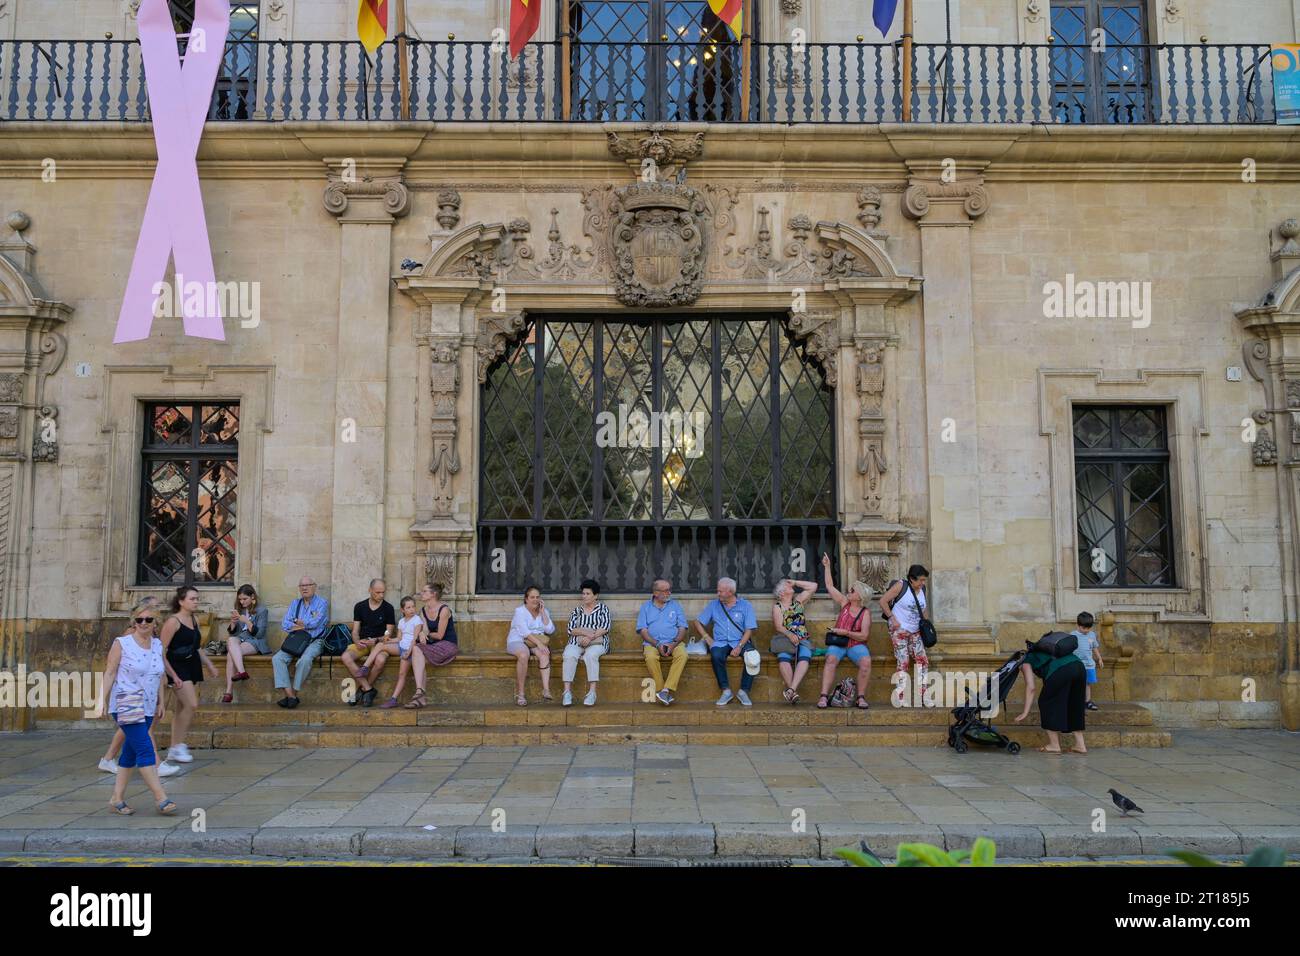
147,608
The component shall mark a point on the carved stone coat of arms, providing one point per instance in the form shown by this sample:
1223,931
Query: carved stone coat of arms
658,244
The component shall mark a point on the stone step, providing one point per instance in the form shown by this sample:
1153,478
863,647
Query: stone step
538,714
488,678
284,736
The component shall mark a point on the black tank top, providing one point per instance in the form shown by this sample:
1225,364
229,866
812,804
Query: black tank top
184,642
432,625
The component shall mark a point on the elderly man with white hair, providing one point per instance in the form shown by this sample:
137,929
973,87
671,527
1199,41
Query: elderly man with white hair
734,624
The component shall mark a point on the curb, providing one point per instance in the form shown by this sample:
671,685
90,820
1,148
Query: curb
657,841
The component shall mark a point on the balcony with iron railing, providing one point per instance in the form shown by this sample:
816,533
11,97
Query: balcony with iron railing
472,81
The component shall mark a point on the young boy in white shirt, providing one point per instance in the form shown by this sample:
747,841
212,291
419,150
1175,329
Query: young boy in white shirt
1088,646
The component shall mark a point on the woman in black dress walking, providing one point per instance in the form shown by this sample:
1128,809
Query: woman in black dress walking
181,640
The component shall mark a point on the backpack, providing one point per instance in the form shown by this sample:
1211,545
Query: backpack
845,693
1056,644
336,640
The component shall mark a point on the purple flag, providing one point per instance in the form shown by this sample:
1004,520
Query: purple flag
174,224
882,14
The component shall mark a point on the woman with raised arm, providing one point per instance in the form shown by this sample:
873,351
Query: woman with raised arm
790,641
851,627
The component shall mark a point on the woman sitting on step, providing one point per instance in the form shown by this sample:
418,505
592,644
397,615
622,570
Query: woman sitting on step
246,637
530,631
790,643
589,626
851,626
437,645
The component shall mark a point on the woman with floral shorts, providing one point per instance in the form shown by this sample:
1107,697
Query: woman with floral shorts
904,605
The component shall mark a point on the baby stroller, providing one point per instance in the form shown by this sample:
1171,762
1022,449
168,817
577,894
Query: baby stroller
968,722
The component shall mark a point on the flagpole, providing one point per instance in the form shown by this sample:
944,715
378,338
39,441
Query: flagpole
403,68
907,61
745,39
566,93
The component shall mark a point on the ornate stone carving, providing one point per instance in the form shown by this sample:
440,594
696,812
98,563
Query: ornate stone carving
448,209
658,244
1288,231
1033,11
872,464
1255,356
444,386
131,8
45,443
495,333
654,145
55,346
1265,451
919,197
1173,10
869,211
440,569
791,8
874,571
11,386
521,71
397,200
8,423
275,10
819,330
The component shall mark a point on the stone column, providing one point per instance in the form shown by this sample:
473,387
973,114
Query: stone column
367,202
945,211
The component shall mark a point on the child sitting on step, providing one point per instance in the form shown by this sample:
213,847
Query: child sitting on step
409,629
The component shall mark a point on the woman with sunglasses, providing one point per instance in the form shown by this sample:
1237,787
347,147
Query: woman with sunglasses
134,679
145,613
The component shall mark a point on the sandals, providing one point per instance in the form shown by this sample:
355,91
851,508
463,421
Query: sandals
521,701
823,701
794,697
227,698
788,694
242,675
862,704
548,698
167,808
418,700
121,809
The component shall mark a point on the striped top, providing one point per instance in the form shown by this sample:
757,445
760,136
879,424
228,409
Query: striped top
596,619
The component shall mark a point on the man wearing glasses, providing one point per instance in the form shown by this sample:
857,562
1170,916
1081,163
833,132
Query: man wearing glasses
310,613
661,622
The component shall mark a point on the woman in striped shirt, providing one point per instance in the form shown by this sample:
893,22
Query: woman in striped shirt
589,639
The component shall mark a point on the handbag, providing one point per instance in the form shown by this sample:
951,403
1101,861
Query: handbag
929,636
296,642
842,640
782,645
130,708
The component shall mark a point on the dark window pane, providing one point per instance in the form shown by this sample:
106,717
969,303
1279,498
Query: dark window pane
1091,428
170,425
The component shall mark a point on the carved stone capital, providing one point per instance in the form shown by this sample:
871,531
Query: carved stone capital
961,202
391,193
495,333
820,332
653,145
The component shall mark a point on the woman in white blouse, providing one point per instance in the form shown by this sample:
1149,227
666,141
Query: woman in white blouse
588,639
530,631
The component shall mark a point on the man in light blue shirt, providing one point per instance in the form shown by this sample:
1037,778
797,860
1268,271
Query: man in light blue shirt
734,624
661,622
310,613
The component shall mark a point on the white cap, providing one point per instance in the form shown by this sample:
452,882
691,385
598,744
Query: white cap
752,661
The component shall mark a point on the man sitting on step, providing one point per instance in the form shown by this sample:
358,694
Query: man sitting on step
310,613
661,622
373,622
734,625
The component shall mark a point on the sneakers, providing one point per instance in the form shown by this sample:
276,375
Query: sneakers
664,697
108,766
180,754
1091,706
567,699
590,699
166,769
725,699
744,698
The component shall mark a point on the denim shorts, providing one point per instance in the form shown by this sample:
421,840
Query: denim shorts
855,653
1092,674
804,652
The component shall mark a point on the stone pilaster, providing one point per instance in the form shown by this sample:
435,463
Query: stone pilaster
367,201
945,211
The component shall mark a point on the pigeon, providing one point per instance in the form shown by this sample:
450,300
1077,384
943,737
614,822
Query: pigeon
1124,803
409,264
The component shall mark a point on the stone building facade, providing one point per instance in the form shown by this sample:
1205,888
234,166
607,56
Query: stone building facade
911,261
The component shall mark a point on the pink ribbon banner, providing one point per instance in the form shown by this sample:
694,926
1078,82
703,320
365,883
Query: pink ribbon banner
174,225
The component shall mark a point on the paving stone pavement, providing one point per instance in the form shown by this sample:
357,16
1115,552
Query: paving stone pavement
1221,791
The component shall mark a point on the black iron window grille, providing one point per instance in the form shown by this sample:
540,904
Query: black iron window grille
189,493
667,60
689,448
235,95
1121,477
1100,62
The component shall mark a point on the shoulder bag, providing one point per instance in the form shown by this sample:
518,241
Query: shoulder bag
296,642
842,640
929,637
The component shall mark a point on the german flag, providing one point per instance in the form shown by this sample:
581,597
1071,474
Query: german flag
729,12
524,17
372,23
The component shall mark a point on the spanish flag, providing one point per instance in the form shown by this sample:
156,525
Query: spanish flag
372,23
524,17
729,12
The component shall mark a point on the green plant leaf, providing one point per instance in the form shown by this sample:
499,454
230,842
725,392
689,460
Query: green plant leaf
1266,856
927,854
984,852
857,858
959,856
1191,858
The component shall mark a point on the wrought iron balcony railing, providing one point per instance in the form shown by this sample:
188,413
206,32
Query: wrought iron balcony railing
469,81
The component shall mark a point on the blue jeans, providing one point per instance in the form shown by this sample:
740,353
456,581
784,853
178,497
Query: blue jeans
137,750
718,655
280,665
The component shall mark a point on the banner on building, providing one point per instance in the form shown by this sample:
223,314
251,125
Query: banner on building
1286,83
